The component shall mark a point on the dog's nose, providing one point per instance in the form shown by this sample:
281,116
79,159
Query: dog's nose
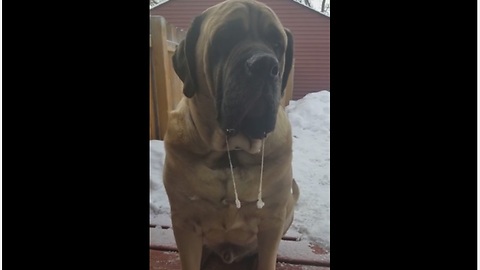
262,65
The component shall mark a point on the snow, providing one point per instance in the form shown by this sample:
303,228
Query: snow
158,196
310,119
317,6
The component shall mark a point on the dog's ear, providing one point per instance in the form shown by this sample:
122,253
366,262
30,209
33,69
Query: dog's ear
288,60
184,58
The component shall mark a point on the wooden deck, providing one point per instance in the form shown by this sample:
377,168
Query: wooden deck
294,253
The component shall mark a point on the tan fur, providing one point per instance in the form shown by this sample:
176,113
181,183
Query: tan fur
200,189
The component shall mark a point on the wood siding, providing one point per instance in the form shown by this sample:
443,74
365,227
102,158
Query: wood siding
311,31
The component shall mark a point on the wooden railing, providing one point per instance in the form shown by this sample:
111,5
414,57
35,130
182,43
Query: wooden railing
166,89
165,86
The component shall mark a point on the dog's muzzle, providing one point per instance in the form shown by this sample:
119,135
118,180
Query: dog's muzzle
251,96
262,66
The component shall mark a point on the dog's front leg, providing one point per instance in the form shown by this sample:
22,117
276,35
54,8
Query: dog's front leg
268,241
189,244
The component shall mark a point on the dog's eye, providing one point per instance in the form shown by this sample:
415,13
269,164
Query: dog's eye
277,47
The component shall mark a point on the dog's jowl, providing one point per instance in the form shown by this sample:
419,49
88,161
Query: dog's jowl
228,172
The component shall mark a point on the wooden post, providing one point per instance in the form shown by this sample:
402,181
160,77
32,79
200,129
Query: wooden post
153,116
176,89
160,79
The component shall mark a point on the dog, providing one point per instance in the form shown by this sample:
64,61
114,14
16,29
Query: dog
228,144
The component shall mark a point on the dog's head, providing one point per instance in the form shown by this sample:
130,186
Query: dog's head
239,53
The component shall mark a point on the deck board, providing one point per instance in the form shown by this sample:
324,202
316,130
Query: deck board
167,260
294,253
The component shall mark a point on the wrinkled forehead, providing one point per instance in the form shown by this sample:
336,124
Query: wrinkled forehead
245,16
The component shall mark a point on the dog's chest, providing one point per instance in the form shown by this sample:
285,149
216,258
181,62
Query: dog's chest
210,198
217,180
232,225
222,222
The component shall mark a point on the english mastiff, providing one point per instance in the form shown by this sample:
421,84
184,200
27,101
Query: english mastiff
228,172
